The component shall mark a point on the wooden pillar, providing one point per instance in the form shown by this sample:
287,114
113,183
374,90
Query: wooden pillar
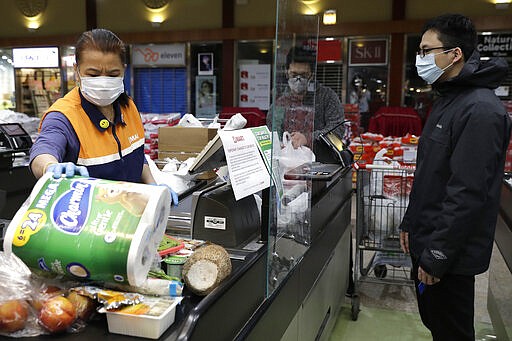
91,18
396,60
228,54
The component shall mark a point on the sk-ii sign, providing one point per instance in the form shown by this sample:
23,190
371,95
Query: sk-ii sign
368,52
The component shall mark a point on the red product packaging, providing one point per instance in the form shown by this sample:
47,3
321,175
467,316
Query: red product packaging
397,185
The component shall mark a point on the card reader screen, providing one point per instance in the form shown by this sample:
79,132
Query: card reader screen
336,141
12,129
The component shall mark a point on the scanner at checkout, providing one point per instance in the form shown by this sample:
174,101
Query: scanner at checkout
16,180
14,142
213,214
14,137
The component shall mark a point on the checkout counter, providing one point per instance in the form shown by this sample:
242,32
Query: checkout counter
16,180
499,295
306,302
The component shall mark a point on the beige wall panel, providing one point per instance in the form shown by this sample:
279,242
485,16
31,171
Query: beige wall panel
263,12
60,17
360,10
256,13
421,9
134,16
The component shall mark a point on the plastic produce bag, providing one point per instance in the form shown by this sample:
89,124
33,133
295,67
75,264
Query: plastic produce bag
290,157
17,318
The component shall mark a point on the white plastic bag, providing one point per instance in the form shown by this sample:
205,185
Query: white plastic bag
290,157
189,120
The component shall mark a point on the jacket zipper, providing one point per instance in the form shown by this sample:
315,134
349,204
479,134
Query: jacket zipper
117,141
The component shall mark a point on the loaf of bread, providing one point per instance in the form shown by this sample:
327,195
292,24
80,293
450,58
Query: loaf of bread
206,268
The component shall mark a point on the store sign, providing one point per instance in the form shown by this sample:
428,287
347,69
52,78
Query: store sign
329,50
35,57
495,45
158,55
368,52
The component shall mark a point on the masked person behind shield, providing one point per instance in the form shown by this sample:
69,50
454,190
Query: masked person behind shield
95,129
293,111
449,225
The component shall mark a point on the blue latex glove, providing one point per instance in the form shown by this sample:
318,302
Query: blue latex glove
174,195
67,168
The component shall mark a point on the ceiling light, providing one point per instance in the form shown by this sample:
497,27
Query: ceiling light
502,4
330,17
32,26
157,20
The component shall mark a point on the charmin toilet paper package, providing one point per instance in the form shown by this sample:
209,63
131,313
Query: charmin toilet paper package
90,229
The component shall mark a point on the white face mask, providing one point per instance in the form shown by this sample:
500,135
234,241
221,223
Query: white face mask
428,69
101,90
298,85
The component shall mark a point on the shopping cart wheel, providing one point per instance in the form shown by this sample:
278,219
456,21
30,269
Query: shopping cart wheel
380,271
355,307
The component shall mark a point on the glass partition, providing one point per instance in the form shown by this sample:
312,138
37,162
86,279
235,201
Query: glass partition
291,119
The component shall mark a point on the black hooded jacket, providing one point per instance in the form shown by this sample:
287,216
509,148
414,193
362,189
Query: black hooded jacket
454,200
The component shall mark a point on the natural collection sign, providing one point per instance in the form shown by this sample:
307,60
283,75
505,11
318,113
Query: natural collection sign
158,55
368,52
495,45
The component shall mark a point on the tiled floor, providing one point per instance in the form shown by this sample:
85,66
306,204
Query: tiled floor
393,325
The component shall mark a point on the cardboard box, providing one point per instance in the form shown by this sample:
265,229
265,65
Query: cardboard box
184,139
180,156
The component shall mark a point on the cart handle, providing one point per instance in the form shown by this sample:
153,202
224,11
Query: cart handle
409,168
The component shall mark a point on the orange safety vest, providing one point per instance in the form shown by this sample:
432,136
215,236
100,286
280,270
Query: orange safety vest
100,147
107,155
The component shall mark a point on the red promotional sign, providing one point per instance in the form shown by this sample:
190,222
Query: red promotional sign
368,52
329,50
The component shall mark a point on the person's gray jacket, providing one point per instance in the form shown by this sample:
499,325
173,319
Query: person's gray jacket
454,200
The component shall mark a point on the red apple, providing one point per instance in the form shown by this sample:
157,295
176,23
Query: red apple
13,315
45,294
57,314
84,305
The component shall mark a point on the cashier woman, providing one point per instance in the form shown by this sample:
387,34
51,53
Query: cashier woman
95,129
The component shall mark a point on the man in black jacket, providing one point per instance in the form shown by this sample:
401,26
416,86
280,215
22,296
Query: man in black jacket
449,225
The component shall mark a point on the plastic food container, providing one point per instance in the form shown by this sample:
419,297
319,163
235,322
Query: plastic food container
149,319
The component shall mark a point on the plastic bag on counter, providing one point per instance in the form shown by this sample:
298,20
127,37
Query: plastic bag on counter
169,175
31,305
290,157
236,121
215,123
189,120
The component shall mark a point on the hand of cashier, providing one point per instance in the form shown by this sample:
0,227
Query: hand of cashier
69,169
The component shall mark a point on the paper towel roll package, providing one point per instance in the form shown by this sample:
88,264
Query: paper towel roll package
90,229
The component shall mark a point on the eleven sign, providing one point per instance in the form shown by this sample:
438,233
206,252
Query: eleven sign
158,55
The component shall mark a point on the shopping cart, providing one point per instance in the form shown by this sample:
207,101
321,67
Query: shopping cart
382,199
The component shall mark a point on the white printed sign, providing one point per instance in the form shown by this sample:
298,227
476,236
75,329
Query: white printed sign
247,171
36,57
255,86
